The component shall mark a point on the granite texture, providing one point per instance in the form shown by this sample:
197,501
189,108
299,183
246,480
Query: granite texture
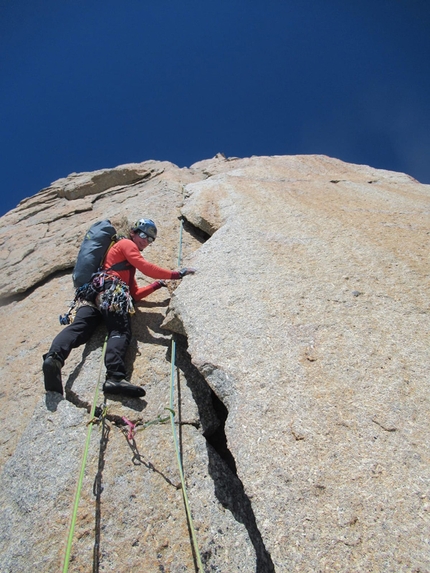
302,392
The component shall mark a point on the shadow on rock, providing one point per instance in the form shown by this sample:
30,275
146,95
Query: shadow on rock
137,404
52,399
147,324
96,341
146,328
230,492
138,460
98,490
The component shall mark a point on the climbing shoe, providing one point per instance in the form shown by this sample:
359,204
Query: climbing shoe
52,373
114,386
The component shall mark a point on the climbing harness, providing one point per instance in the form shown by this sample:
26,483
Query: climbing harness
104,291
112,294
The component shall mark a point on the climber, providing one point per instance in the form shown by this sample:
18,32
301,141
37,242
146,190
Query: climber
109,297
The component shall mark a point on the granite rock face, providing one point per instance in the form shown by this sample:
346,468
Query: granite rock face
301,374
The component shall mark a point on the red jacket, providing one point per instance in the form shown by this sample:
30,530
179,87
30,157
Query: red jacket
126,250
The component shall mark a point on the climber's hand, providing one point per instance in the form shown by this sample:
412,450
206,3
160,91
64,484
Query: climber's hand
162,283
187,271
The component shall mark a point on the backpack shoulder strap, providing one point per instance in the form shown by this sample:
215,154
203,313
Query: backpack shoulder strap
122,265
114,240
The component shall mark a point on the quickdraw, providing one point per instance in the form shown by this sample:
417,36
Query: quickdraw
101,416
135,427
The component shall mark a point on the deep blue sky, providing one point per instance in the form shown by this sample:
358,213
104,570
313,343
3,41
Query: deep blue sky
88,84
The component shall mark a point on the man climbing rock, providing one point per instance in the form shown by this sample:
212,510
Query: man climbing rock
109,297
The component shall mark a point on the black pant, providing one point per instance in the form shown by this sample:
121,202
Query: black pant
79,332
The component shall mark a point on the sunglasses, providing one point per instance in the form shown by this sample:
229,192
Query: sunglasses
145,236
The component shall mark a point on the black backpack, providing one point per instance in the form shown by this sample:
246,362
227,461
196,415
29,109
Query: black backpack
97,241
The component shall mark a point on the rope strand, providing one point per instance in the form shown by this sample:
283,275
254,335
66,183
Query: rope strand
175,437
83,464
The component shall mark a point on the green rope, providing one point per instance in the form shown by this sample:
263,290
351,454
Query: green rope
83,464
179,460
175,437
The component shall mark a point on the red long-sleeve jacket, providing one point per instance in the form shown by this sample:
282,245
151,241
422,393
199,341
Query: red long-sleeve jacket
126,250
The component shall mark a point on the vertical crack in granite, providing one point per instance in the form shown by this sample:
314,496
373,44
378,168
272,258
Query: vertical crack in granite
196,232
229,489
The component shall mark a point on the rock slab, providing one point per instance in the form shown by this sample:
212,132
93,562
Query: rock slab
302,389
